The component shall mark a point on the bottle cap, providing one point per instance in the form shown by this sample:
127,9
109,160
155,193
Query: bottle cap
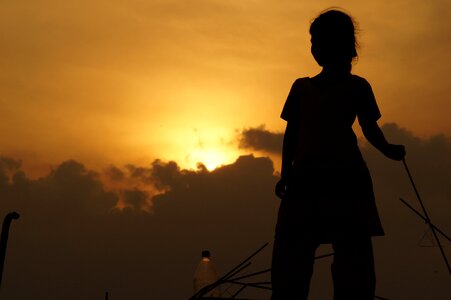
206,253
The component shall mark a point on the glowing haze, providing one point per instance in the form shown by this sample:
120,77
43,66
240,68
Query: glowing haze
130,81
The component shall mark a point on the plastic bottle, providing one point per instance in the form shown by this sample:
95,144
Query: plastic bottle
206,274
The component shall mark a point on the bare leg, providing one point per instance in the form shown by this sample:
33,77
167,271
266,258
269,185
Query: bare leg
292,268
353,269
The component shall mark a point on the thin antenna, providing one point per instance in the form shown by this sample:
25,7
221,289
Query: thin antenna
426,216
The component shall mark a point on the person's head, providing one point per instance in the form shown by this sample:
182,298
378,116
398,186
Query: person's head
333,39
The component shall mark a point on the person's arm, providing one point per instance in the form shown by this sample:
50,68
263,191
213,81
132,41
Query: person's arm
290,114
375,136
368,113
289,140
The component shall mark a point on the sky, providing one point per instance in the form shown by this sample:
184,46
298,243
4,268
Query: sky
131,81
134,134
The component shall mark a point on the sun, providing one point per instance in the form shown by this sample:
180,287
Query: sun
211,146
211,158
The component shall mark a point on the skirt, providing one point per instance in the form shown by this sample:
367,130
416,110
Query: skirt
326,203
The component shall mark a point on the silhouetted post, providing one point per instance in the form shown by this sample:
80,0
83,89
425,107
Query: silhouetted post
106,295
4,239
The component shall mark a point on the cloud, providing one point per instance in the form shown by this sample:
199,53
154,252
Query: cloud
260,139
114,173
69,237
166,175
69,190
70,243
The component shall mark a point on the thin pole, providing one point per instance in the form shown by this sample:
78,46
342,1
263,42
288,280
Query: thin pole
238,271
232,272
252,274
4,239
239,291
428,220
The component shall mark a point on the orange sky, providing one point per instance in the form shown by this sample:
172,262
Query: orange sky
115,82
97,96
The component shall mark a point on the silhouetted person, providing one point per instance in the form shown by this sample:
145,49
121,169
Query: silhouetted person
325,186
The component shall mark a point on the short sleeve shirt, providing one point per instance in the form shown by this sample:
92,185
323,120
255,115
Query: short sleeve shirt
323,114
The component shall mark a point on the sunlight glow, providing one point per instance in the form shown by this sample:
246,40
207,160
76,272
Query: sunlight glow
212,147
210,158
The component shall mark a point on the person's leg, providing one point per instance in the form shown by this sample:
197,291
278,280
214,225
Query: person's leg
292,268
353,269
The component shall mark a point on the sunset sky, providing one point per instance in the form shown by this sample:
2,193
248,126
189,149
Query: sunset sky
130,81
97,97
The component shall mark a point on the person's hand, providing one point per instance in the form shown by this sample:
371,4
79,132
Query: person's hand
281,188
395,152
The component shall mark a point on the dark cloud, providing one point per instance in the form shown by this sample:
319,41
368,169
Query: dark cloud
136,199
260,139
70,243
114,173
166,175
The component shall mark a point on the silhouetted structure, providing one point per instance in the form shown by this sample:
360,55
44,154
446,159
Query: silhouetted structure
4,239
325,187
426,218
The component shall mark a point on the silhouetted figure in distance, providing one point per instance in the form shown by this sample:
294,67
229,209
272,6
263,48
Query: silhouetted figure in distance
325,186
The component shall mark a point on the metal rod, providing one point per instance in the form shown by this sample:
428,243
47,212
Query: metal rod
227,275
251,285
239,291
421,216
260,287
427,217
241,266
252,274
205,290
269,270
238,271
